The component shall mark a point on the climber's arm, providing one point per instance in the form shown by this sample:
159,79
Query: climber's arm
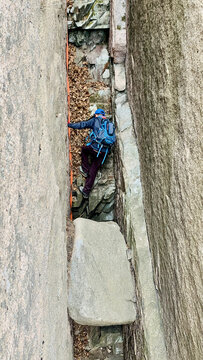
82,124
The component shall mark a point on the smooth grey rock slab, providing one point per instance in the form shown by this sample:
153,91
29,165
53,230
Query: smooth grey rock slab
101,288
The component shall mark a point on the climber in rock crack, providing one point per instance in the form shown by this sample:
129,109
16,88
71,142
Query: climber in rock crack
95,148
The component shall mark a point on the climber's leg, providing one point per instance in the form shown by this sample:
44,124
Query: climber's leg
85,162
94,167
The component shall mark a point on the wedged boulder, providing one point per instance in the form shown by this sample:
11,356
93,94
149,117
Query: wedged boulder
101,289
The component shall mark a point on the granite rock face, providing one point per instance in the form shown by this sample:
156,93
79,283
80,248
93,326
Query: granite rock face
101,290
165,87
144,338
33,176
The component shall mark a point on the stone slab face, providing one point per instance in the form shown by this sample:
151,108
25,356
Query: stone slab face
33,177
165,88
101,289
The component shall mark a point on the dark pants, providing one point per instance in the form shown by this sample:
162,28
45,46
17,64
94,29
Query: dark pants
90,168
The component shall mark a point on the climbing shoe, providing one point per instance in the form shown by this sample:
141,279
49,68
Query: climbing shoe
83,193
83,172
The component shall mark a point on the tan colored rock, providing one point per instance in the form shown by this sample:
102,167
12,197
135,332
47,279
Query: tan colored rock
165,88
33,177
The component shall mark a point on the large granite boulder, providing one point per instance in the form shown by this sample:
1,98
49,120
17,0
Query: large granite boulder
101,289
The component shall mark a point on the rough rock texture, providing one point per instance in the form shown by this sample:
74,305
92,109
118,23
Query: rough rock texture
33,299
98,59
89,14
87,37
164,73
97,343
144,338
101,289
106,342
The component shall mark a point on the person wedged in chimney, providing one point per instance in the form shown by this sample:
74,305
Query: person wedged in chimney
102,138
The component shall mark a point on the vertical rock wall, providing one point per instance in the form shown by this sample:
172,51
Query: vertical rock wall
144,338
33,173
164,74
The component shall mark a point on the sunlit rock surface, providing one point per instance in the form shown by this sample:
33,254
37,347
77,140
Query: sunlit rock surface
33,177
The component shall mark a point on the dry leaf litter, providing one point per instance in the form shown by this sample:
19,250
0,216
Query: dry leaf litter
80,339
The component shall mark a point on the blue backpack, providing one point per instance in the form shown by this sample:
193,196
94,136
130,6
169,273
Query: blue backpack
103,138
